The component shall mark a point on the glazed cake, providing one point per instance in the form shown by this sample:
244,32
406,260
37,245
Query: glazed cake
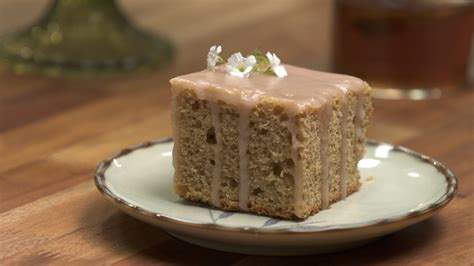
285,147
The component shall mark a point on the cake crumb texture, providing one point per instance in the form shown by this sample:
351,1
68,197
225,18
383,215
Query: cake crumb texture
285,169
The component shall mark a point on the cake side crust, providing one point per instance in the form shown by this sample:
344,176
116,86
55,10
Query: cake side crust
272,184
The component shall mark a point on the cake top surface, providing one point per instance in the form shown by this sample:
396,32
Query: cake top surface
301,87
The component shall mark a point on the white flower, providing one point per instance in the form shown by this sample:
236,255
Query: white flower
239,66
275,66
213,56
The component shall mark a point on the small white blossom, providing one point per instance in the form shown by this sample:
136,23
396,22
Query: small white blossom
275,66
213,56
239,66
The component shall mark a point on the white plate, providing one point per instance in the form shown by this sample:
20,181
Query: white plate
399,188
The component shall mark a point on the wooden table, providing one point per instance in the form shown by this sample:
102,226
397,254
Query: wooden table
53,132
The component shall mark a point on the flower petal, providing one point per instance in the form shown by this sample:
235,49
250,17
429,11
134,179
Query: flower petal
251,60
276,60
280,71
236,73
213,56
247,71
270,57
235,59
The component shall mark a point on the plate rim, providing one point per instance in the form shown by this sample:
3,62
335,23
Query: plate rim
443,200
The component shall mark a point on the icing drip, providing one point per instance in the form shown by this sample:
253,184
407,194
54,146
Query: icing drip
359,117
244,184
325,118
298,167
174,131
217,148
343,165
300,89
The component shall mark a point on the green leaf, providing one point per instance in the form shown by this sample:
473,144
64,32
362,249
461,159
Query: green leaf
270,71
262,64
220,60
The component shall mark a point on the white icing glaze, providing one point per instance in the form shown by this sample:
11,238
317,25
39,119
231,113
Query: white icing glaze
359,117
300,89
174,132
298,166
343,165
217,148
244,184
325,117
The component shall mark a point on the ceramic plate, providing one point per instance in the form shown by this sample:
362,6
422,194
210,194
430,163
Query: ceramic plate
399,188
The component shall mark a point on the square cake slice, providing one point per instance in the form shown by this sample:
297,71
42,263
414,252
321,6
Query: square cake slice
285,147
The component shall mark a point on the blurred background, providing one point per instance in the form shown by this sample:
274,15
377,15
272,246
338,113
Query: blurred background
192,26
93,58
410,49
80,79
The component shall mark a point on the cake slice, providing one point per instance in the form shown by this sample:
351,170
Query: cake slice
285,147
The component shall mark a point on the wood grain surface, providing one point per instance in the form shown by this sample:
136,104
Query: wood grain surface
53,132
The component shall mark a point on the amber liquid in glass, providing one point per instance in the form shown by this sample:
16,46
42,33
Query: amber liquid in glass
404,44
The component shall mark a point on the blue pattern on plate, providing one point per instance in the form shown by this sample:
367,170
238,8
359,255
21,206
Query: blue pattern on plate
270,222
223,215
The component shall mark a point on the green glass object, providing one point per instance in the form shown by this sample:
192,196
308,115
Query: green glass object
83,36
